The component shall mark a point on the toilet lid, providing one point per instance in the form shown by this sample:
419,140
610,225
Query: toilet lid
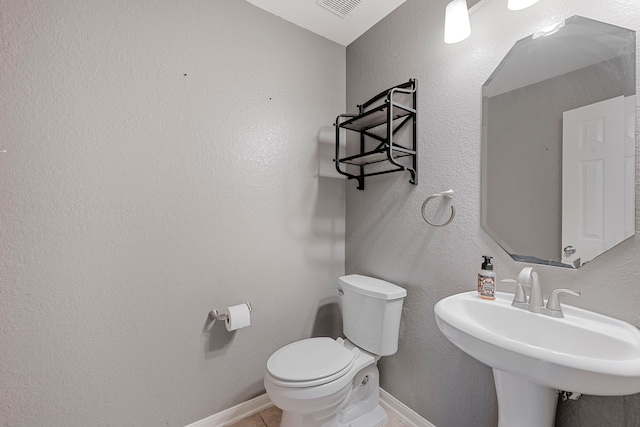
310,359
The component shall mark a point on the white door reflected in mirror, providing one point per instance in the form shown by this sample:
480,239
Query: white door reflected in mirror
595,179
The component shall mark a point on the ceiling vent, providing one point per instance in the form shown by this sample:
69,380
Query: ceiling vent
342,8
321,16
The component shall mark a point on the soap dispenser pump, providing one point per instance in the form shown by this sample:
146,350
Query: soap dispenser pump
487,280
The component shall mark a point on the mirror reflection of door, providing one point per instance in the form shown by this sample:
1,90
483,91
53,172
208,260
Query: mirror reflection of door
593,180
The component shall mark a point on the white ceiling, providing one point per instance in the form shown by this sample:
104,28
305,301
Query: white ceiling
315,18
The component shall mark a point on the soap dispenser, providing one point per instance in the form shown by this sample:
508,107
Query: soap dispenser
487,280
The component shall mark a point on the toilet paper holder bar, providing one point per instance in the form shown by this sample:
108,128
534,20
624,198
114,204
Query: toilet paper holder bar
216,315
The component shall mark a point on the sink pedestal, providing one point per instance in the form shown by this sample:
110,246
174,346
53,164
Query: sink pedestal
523,403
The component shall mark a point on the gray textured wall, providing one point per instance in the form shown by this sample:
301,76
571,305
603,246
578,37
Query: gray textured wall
387,238
159,160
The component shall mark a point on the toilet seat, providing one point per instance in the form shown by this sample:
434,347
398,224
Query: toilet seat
310,362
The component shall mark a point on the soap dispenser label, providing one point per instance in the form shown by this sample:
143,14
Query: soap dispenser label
486,286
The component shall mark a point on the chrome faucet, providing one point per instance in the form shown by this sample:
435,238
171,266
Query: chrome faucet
535,304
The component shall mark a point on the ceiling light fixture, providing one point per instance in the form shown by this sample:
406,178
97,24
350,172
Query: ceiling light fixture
520,4
457,26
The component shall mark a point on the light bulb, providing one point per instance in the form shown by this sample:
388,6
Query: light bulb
456,22
520,4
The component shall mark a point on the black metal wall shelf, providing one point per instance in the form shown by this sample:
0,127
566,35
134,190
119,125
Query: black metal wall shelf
378,120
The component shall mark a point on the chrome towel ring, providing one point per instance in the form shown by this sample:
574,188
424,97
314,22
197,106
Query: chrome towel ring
447,194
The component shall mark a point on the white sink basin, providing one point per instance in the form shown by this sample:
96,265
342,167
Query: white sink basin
583,352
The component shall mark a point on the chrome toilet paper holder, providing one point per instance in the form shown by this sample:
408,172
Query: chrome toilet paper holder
216,315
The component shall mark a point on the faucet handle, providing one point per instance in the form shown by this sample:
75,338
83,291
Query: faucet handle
521,296
553,303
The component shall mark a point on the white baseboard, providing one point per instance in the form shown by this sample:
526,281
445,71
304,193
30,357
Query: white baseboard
235,414
255,405
408,415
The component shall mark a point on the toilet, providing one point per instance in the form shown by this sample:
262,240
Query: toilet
321,382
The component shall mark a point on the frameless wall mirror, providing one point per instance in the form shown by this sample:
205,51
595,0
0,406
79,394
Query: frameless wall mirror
558,144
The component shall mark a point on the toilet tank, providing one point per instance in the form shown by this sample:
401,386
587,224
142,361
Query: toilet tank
371,310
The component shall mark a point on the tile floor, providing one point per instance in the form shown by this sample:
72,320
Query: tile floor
270,417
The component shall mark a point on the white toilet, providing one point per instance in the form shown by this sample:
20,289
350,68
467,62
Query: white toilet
321,382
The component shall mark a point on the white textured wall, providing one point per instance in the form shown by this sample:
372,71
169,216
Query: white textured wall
387,238
160,161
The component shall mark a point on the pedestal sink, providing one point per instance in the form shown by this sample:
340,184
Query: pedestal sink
533,355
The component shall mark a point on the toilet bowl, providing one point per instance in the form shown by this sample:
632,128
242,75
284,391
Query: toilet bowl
321,382
341,383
